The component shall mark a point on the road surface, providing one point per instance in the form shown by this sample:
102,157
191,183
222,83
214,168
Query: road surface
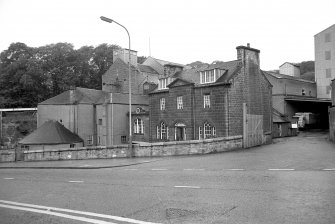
290,181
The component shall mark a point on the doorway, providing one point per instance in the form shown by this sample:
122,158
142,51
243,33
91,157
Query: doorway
180,132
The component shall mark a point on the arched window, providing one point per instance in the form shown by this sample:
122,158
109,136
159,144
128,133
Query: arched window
138,126
209,131
163,131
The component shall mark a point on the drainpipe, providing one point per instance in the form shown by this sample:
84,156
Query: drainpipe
193,113
95,131
227,113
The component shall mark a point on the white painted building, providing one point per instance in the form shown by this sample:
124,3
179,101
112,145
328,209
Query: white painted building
324,43
291,69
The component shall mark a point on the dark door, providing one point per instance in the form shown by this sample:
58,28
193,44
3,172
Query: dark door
19,155
179,133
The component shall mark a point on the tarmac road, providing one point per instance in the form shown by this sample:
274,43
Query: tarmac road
291,181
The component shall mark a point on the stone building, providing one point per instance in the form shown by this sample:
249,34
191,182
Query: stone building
208,102
101,117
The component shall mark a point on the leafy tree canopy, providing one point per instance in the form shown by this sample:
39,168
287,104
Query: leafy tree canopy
31,75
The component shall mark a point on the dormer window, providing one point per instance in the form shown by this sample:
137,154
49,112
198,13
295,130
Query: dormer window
163,83
207,76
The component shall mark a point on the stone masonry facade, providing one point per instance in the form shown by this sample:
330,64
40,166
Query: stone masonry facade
242,83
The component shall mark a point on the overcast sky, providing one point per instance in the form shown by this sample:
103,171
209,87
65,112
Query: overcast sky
180,31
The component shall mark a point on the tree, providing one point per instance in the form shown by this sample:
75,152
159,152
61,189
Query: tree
102,60
21,77
58,63
197,64
30,75
307,66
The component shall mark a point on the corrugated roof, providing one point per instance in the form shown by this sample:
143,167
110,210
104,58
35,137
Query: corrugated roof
51,133
281,76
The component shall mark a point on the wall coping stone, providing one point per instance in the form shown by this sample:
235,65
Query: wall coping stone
138,146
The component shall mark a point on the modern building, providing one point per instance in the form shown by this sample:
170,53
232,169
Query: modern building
324,43
290,69
210,102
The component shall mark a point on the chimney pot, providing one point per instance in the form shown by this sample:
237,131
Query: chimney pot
248,45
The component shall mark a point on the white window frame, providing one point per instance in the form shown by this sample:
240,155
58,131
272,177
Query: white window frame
207,101
138,126
163,83
162,103
207,76
163,131
180,102
214,131
207,130
200,133
89,140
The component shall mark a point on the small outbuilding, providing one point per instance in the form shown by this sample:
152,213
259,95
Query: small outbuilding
51,135
282,126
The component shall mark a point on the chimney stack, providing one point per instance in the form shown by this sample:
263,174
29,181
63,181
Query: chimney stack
123,54
245,53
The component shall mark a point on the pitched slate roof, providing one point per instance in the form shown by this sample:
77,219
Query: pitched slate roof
232,67
123,98
51,133
146,69
78,95
192,75
162,62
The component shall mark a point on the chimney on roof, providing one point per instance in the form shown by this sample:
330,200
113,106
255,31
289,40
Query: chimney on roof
123,54
246,53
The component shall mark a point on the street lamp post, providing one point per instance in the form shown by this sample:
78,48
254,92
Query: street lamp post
130,146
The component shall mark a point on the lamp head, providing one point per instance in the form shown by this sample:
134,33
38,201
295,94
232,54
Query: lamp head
108,20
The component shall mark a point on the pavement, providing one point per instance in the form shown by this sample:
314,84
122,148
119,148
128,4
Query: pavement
123,162
78,164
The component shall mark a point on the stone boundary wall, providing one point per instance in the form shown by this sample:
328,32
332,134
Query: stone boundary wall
6,156
174,148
